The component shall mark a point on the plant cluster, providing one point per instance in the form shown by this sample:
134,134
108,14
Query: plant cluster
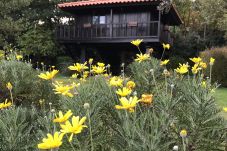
147,107
27,87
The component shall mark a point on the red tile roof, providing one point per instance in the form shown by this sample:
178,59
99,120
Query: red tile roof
101,2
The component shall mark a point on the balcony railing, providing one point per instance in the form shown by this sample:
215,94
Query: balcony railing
104,31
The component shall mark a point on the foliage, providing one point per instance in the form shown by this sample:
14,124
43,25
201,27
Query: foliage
179,102
62,63
193,108
219,73
198,112
188,45
38,42
142,73
17,129
101,99
175,60
204,25
20,27
12,23
27,87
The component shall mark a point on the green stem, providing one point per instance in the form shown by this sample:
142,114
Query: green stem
163,53
73,146
171,93
154,81
11,95
210,72
89,120
166,84
184,145
139,49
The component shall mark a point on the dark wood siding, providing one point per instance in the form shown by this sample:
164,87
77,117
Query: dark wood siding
119,25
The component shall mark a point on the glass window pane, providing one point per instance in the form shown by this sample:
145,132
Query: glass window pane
95,19
102,19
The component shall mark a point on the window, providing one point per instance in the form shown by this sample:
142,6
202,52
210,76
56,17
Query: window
102,19
99,20
95,19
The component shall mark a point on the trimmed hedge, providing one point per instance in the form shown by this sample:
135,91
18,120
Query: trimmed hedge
219,70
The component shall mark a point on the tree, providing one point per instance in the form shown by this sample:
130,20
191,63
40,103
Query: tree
29,25
11,17
204,25
39,38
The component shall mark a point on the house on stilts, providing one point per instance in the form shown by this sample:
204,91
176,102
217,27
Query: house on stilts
105,28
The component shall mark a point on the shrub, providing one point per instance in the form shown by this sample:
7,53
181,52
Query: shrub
175,60
17,129
187,106
101,99
28,88
62,64
177,102
142,73
219,70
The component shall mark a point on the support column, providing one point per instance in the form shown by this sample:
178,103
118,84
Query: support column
111,22
159,23
83,54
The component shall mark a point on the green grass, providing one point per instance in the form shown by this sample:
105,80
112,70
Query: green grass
221,96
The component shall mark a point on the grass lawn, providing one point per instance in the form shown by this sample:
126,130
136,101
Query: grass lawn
64,79
221,96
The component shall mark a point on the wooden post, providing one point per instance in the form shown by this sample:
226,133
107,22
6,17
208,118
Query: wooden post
159,22
111,23
83,54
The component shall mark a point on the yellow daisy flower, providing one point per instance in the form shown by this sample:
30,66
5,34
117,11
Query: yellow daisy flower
48,75
124,91
51,142
137,42
127,104
142,57
63,118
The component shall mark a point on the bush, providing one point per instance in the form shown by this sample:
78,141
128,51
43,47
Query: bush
219,70
101,99
28,88
17,129
175,60
62,64
141,73
179,102
190,106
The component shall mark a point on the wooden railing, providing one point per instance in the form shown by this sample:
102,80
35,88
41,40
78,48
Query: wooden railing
119,30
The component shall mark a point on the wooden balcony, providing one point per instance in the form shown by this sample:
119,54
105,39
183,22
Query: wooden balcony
109,33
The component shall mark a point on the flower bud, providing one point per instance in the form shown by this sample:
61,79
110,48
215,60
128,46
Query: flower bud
175,148
172,85
86,106
183,133
90,61
9,86
135,93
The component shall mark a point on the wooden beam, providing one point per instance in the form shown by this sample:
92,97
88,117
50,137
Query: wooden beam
159,23
111,22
